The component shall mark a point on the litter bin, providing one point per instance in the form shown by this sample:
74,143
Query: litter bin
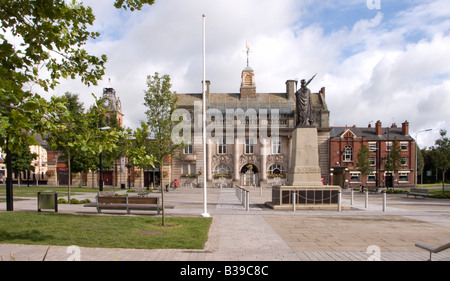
47,200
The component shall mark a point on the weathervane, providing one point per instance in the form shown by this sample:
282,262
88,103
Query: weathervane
248,52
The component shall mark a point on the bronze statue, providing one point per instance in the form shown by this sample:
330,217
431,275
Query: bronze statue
304,104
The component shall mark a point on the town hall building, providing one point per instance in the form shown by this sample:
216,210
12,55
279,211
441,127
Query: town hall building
240,155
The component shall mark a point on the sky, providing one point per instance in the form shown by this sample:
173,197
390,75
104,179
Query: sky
384,60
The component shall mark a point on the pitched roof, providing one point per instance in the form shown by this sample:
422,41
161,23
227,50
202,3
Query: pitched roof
369,133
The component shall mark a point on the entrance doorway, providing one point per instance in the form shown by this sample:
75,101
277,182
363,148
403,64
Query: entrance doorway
389,180
107,178
249,175
339,176
152,177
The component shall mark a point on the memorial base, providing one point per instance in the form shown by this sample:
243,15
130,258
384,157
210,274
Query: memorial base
306,197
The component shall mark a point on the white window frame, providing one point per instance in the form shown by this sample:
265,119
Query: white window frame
188,149
355,176
404,145
276,146
372,146
389,145
347,155
222,146
249,145
372,175
403,174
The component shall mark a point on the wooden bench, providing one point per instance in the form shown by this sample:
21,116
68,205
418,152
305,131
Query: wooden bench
418,192
126,203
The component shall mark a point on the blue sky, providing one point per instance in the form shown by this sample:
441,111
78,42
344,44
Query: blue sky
389,64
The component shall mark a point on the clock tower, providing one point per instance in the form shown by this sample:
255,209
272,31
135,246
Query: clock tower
112,105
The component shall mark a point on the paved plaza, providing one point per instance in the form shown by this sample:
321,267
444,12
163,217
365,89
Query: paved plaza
357,233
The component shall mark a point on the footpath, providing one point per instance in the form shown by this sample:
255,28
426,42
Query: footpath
357,233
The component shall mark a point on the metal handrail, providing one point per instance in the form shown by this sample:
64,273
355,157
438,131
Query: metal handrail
433,250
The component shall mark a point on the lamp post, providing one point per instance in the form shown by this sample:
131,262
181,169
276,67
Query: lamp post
415,176
100,185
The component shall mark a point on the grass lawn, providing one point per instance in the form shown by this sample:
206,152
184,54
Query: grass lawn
103,231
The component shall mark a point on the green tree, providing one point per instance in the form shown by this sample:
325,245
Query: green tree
138,152
363,161
41,42
440,154
161,103
393,160
21,160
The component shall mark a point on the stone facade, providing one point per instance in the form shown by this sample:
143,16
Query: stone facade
243,147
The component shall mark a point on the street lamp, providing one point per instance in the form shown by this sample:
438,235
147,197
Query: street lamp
100,167
415,176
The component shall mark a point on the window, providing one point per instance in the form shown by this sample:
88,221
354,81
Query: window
372,146
403,177
404,160
249,146
373,161
372,177
192,169
184,169
348,154
222,146
388,146
276,169
404,145
276,146
355,177
188,148
222,171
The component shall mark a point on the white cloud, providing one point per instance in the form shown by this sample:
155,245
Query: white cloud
389,68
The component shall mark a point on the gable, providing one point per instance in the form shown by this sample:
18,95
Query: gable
348,134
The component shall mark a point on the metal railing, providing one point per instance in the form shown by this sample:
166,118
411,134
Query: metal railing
433,250
244,196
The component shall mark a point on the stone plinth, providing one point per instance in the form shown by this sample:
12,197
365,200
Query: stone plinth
304,167
304,184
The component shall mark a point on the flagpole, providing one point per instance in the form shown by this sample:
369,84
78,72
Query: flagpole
205,204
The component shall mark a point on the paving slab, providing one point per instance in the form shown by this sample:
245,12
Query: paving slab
263,234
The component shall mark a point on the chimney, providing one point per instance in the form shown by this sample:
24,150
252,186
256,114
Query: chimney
405,128
290,89
322,91
208,83
378,130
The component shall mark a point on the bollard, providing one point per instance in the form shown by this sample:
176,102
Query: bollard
351,198
384,201
367,199
340,200
247,201
293,200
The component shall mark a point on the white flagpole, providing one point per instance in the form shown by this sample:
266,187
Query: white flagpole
205,204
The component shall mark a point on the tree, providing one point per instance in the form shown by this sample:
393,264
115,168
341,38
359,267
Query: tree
363,161
393,160
161,103
42,42
440,154
138,152
21,160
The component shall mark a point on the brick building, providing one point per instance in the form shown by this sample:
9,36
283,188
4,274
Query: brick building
345,143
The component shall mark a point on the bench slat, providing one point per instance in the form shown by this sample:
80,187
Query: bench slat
125,203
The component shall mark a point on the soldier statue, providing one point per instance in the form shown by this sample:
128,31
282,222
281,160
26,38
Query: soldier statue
304,104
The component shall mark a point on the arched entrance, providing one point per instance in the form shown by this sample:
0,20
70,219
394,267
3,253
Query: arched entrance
249,175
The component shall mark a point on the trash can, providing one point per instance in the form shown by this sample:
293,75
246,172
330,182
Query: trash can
47,200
